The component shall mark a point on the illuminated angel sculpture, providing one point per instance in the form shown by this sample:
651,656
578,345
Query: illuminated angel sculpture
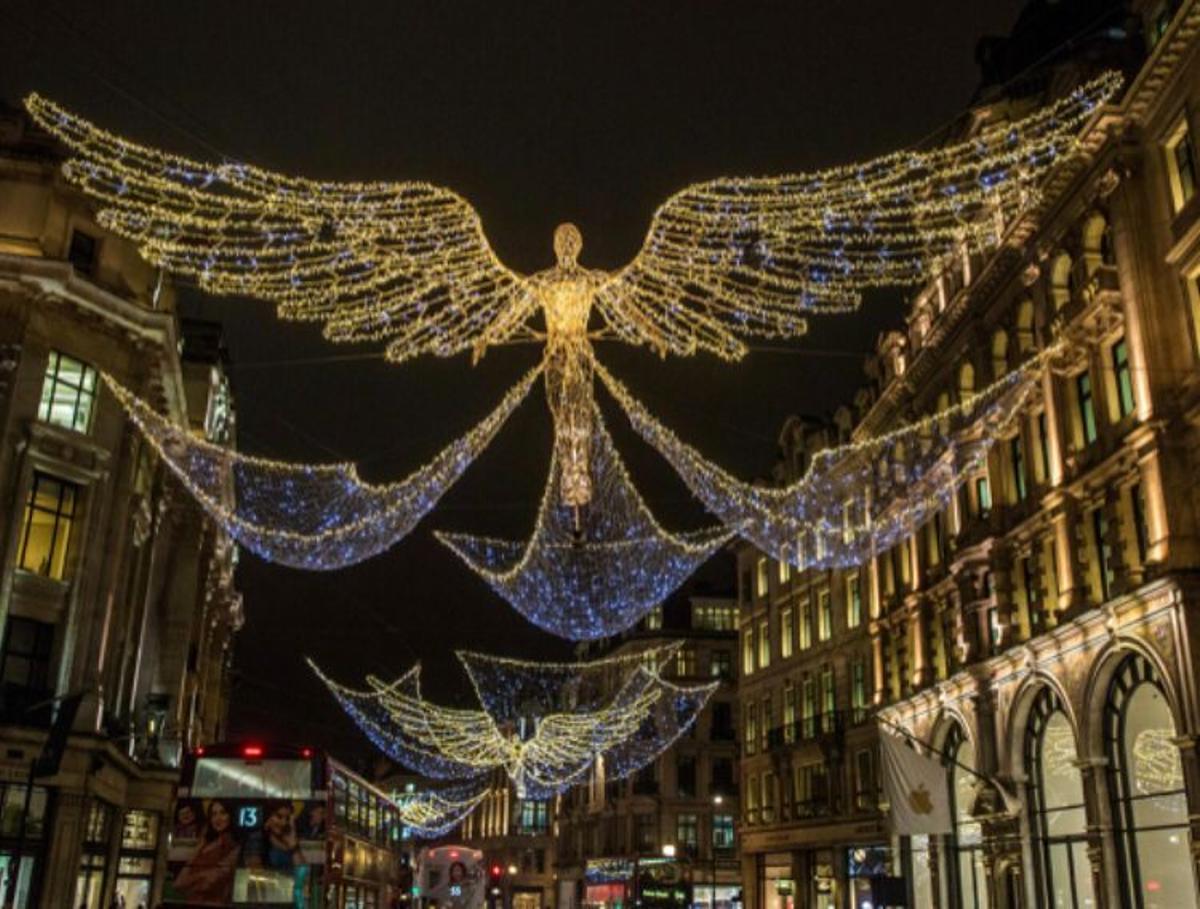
548,726
408,263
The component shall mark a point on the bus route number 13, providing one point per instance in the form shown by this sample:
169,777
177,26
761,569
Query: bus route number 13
248,816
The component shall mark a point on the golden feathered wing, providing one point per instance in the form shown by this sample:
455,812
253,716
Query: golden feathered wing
405,262
735,258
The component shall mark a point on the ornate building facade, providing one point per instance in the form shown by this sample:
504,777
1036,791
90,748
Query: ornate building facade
668,833
1038,635
116,595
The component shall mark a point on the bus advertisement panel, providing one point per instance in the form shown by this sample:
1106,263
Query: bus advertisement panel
248,828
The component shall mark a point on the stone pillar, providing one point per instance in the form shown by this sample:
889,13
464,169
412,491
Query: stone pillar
879,681
1002,594
751,895
921,669
1064,518
63,849
1101,848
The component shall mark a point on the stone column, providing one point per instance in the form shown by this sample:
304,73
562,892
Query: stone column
1101,847
63,850
1064,518
921,670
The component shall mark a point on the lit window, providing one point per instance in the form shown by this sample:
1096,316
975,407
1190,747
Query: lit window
720,664
723,831
983,494
1181,166
686,832
785,633
68,393
685,662
46,529
853,601
1087,407
760,583
654,619
824,616
858,685
785,571
805,625
748,652
764,644
828,694
1120,360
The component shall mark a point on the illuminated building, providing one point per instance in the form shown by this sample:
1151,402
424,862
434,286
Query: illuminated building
113,586
1039,631
515,835
610,833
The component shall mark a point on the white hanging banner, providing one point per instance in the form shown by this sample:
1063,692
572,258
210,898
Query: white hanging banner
917,789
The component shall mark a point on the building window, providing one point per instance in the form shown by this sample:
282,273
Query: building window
1159,22
722,776
785,571
748,651
93,863
687,833
81,251
135,865
768,797
858,688
720,664
685,776
853,601
644,834
805,624
751,742
1016,454
1100,552
967,874
714,616
865,795
767,718
1120,361
786,632
764,644
808,708
46,528
721,727
789,713
1043,446
1057,808
68,393
824,615
1181,166
983,495
685,662
1137,507
1150,811
828,698
654,619
722,831
25,669
760,576
1087,407
535,816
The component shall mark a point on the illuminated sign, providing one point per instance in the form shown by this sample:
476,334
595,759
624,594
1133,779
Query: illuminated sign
249,816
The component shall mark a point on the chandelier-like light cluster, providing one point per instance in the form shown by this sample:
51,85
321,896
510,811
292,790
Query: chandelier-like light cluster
592,571
305,515
431,813
544,744
854,500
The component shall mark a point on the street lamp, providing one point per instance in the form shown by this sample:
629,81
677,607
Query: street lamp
668,850
717,801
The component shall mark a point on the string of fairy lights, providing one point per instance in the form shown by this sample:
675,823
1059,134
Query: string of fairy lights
408,263
546,728
319,517
589,572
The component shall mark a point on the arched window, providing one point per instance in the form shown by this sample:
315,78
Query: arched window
1061,281
964,852
999,355
966,381
1057,819
1150,812
1025,340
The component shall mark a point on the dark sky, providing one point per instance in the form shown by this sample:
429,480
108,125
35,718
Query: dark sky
537,113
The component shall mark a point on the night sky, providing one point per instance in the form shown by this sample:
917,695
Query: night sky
537,113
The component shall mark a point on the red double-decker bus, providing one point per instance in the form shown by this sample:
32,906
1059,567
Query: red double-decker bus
258,826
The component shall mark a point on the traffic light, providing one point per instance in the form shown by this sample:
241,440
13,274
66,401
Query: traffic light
495,874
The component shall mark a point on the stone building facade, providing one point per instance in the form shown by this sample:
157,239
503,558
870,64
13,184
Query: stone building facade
1039,634
672,825
115,592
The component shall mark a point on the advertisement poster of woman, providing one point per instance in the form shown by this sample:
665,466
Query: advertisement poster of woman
208,875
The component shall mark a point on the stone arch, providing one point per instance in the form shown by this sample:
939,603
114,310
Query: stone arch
1019,714
1105,667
